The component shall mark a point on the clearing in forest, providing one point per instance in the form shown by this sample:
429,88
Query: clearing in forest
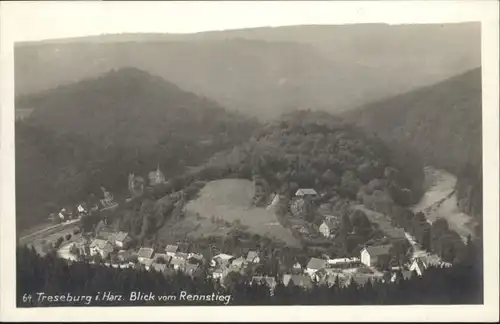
231,201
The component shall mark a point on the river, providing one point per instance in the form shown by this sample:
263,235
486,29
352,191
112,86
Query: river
440,201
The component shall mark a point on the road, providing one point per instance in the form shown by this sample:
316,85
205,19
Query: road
32,236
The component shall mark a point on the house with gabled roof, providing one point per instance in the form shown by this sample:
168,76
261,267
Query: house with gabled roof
376,256
418,266
171,250
306,192
145,255
323,275
105,233
314,265
178,263
253,257
221,259
329,226
102,247
297,268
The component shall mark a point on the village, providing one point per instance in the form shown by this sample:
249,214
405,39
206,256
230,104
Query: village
105,245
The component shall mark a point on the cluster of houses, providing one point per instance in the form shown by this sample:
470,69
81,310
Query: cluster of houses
372,264
67,213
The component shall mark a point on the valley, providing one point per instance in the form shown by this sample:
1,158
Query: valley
328,157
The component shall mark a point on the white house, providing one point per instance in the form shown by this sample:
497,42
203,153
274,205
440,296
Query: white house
145,255
101,247
418,266
177,263
342,261
329,225
171,250
306,192
82,208
314,265
253,257
221,259
375,255
297,267
239,262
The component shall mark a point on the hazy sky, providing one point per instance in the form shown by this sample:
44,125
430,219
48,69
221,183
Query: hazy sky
42,20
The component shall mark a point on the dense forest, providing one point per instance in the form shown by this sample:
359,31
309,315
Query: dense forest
461,284
307,149
442,124
95,132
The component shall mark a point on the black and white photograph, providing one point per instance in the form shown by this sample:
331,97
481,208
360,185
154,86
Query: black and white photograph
218,154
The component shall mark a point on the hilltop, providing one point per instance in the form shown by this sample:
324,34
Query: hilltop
265,72
94,132
442,123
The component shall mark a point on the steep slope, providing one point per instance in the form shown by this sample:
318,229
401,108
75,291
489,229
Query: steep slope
267,71
96,131
442,123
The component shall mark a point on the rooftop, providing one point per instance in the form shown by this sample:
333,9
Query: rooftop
171,248
306,191
177,261
145,253
121,236
101,244
251,255
223,256
316,263
378,250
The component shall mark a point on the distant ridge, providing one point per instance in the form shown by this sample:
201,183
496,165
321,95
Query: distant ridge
264,72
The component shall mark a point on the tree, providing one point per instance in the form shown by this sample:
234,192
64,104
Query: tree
350,184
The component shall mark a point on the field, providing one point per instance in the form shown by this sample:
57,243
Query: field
230,201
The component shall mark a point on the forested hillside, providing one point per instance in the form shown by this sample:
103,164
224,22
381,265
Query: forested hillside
442,123
94,132
267,71
317,150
